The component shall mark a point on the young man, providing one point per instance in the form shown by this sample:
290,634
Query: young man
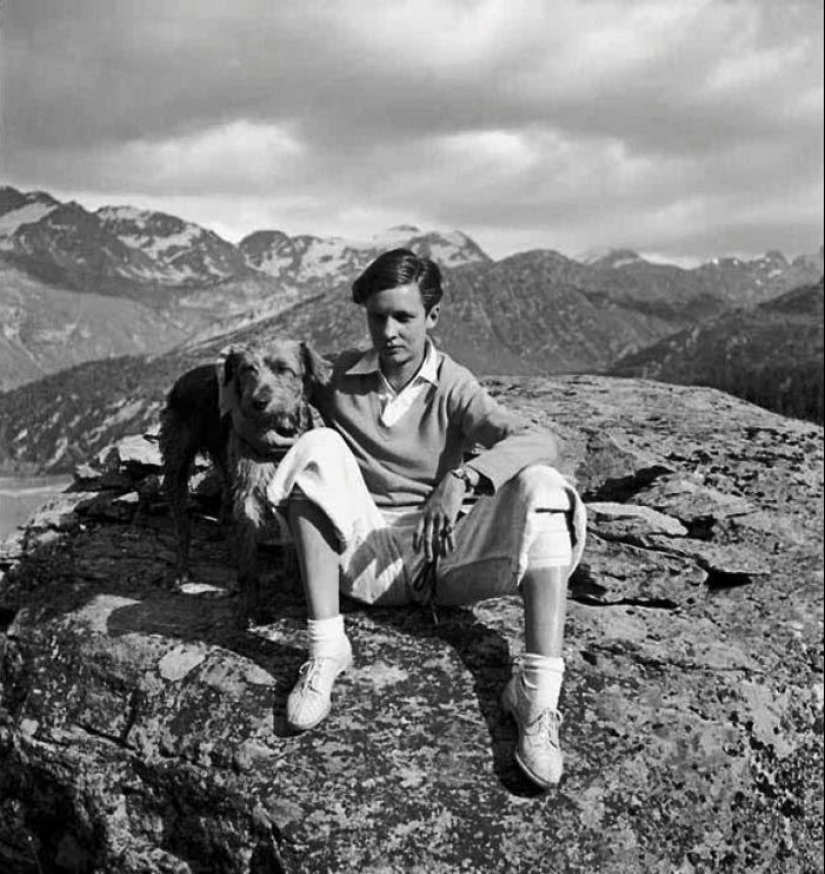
389,505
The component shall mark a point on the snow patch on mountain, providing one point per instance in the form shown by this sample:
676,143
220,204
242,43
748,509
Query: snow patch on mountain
274,264
172,251
610,258
622,262
28,214
131,214
142,230
306,259
157,246
324,258
60,450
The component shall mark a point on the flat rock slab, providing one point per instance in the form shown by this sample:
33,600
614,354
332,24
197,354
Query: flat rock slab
627,521
141,732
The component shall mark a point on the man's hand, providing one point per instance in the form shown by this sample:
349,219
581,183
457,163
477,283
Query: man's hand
434,533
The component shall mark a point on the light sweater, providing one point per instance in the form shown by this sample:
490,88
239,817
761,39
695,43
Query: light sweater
442,421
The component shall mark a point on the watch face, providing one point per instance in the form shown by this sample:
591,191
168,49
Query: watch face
463,474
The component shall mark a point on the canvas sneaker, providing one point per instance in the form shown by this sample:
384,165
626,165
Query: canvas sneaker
310,701
537,753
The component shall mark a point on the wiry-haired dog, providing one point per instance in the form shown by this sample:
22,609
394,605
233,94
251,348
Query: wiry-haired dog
244,415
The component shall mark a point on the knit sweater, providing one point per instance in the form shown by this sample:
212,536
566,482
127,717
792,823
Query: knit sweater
451,418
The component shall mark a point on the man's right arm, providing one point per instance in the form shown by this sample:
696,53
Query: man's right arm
510,442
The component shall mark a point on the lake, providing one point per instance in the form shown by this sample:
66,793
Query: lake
20,496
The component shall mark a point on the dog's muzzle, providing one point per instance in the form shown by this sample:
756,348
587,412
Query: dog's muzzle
283,429
286,425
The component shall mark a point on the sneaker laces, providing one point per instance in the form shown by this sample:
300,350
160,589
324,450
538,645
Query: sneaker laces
310,671
547,723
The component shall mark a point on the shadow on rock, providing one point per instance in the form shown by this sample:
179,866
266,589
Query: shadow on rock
485,653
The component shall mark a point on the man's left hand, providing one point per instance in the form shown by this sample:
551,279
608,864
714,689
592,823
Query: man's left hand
435,532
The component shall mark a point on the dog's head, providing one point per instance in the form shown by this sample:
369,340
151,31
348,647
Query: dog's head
267,389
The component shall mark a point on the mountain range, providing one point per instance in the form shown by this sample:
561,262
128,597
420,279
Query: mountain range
77,285
101,310
771,354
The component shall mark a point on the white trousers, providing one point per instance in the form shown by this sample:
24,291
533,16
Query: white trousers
536,520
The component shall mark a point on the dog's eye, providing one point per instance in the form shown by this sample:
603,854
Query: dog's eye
282,369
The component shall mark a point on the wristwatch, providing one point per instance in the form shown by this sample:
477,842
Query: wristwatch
465,475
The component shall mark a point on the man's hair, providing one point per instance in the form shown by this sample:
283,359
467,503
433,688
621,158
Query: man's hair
400,267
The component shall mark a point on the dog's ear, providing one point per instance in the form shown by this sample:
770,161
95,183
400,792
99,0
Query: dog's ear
227,392
230,365
317,370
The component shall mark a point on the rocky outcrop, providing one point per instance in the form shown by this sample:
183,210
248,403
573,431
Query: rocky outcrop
140,732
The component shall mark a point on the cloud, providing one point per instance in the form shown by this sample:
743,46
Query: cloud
241,157
563,124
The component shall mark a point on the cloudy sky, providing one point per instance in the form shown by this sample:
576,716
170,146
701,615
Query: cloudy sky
684,129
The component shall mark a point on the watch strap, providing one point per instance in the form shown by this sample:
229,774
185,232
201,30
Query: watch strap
461,472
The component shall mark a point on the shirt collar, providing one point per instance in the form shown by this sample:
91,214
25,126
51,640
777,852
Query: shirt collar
368,363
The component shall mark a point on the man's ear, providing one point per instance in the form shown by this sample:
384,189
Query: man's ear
317,370
431,319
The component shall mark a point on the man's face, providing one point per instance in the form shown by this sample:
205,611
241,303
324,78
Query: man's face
398,327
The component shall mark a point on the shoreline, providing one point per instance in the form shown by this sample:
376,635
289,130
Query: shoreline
20,496
17,485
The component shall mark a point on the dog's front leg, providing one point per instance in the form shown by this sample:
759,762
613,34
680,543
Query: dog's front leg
249,598
176,488
225,519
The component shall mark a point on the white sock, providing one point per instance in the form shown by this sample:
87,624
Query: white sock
542,677
327,637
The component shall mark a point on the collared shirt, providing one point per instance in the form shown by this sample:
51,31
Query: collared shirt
394,404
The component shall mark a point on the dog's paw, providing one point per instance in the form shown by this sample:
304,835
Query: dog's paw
248,609
178,580
240,620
